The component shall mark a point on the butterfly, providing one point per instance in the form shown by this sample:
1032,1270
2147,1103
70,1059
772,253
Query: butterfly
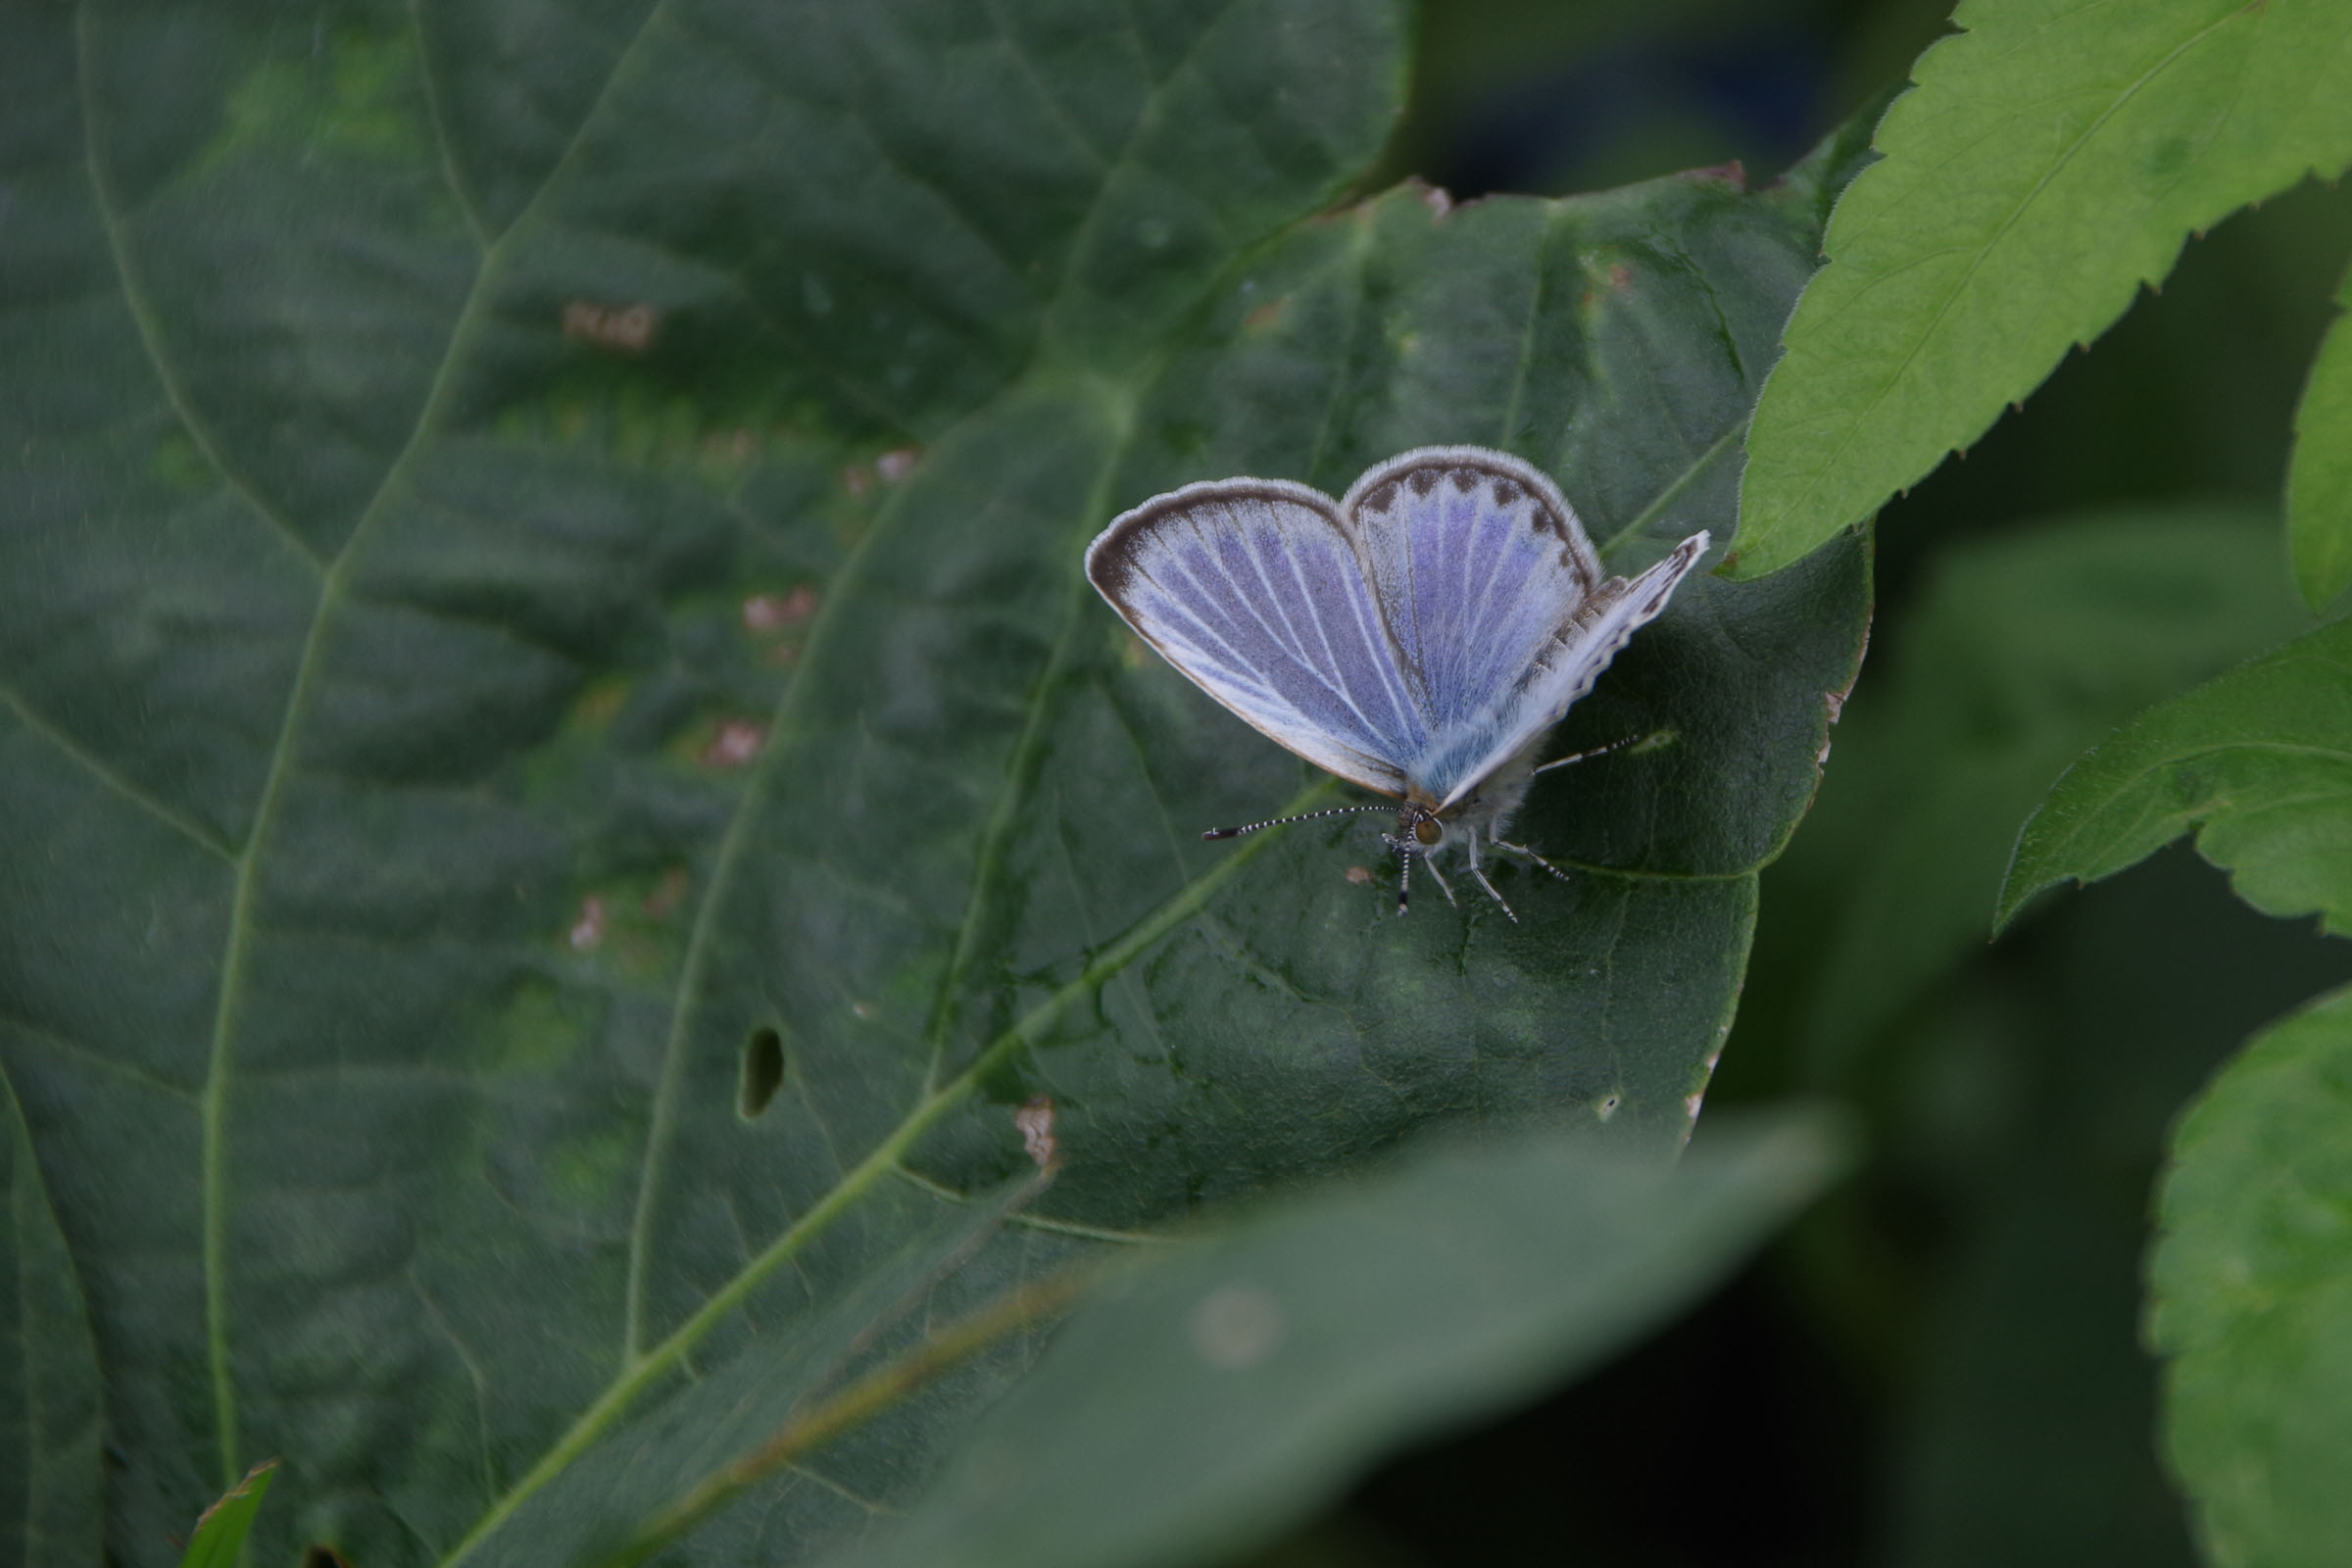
1417,637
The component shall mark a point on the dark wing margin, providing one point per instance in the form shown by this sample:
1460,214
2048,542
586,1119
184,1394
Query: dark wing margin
1255,590
1476,558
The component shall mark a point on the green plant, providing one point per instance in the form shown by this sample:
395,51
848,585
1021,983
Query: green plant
2046,164
601,940
571,804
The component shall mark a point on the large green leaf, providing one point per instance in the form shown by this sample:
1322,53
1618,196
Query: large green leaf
2251,1281
2020,652
2258,760
2049,162
562,781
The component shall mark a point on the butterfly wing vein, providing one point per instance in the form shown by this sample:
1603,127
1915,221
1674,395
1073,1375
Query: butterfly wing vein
1412,638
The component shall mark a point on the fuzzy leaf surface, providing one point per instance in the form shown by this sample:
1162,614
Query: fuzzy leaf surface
560,783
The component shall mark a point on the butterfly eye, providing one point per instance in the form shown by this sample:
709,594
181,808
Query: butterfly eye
1429,830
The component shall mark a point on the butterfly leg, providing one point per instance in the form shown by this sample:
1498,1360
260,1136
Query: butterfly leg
1407,855
1479,873
1521,849
1440,881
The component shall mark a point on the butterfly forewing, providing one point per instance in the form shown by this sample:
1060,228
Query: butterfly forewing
1523,709
1255,590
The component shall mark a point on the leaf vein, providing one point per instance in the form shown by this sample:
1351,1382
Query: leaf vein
150,328
444,145
97,768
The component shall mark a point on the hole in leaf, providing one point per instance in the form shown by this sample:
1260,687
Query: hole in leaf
762,1072
320,1555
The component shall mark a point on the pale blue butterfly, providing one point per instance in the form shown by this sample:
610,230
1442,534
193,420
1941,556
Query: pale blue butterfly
1417,637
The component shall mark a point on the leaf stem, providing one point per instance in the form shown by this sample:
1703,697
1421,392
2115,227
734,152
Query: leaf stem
645,1370
859,1402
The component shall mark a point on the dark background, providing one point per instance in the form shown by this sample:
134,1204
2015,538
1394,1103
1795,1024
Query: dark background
1940,1365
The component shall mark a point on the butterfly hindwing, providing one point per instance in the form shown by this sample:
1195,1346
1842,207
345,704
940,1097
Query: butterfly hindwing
1256,591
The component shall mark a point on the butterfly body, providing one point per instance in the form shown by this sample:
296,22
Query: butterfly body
1418,637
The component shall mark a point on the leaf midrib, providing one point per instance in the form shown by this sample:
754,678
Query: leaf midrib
334,577
881,1161
1003,816
332,581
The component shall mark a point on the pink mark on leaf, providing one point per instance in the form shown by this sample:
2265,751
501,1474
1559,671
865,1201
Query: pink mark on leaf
588,931
629,329
1035,1119
736,743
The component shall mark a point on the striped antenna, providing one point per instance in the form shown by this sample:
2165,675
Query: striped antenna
1278,821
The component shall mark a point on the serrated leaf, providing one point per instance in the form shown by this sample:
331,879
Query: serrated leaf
1281,1358
562,782
2319,477
2049,162
222,1529
2251,1296
2023,650
2257,761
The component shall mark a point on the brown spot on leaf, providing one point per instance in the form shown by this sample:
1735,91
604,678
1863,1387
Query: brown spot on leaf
627,327
1035,1119
667,894
768,613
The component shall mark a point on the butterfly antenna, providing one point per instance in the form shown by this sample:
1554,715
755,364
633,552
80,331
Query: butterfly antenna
1438,877
1597,751
1278,821
1404,876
